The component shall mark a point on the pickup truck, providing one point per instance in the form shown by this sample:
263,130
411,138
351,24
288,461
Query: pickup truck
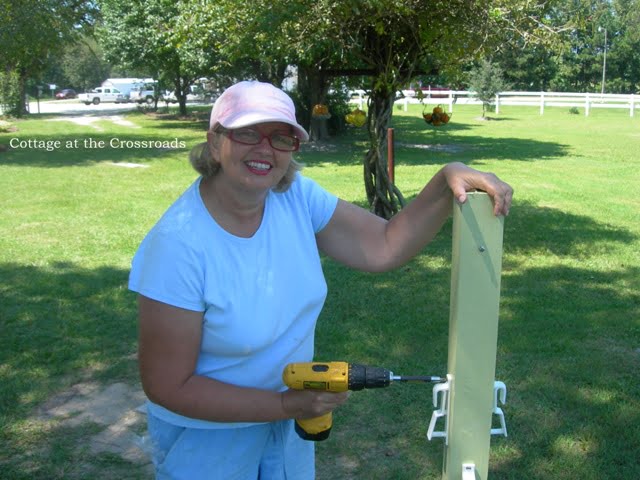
102,94
145,94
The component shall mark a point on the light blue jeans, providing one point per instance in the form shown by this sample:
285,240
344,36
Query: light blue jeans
271,451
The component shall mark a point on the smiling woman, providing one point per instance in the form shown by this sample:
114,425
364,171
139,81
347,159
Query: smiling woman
231,284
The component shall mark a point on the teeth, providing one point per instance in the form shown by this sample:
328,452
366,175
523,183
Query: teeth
259,166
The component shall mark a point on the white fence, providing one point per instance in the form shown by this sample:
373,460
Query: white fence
541,100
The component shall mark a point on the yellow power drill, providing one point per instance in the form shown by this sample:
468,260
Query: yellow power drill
337,377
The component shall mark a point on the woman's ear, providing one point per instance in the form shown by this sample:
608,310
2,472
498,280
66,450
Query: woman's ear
213,141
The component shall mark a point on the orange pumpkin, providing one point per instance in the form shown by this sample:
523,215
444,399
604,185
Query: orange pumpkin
437,117
356,118
320,110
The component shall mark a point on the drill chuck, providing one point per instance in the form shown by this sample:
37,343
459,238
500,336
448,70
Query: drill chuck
363,376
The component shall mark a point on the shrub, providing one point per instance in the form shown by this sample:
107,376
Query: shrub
10,93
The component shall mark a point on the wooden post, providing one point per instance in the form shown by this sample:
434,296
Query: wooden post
473,334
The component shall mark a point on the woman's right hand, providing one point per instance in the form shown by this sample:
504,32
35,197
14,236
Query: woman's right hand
310,403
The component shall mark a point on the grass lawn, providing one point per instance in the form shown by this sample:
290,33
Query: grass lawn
569,337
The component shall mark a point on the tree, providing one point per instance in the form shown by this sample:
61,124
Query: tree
33,31
526,68
573,59
486,80
157,35
390,42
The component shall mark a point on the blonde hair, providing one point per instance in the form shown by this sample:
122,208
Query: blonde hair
202,160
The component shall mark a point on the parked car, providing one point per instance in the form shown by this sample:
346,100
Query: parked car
66,93
143,94
102,94
196,94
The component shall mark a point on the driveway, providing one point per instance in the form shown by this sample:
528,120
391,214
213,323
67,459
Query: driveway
76,108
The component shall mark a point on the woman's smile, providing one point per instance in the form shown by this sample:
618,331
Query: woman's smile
258,167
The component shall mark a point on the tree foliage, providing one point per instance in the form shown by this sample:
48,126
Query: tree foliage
35,30
83,64
574,60
158,35
10,93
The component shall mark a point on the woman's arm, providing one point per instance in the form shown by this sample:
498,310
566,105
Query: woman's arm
367,242
169,343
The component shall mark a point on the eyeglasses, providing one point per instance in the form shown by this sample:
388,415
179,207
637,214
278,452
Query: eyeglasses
278,141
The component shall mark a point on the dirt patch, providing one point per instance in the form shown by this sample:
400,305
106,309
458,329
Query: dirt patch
127,165
437,147
195,116
6,127
119,408
89,121
319,147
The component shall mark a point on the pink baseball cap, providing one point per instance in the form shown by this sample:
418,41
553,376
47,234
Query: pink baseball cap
250,102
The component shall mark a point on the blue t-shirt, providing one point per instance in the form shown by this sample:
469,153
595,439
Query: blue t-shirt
260,296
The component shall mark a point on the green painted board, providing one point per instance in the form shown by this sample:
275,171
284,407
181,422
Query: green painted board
473,333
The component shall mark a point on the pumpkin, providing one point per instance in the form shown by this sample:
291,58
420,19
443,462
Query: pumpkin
320,110
437,117
356,118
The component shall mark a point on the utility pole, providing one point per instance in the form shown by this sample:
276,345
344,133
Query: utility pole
604,61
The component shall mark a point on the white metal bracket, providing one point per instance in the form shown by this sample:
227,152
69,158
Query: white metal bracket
499,388
441,402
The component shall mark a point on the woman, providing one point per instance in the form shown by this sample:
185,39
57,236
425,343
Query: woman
230,286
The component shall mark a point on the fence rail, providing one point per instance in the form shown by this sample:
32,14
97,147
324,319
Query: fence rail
541,100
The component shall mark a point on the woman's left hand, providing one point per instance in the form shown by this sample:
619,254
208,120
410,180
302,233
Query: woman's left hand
462,179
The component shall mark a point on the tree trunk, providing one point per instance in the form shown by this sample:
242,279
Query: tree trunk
182,105
385,200
318,130
313,86
22,108
182,85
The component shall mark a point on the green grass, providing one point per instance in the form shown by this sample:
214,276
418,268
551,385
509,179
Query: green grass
569,338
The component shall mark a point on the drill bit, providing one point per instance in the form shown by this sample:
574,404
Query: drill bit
416,378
